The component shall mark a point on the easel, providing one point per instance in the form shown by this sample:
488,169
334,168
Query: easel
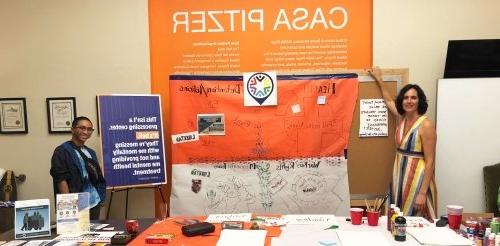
113,190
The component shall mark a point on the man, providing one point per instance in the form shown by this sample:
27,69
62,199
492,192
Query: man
25,222
74,167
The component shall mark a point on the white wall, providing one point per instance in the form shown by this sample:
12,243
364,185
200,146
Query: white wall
62,48
415,34
80,48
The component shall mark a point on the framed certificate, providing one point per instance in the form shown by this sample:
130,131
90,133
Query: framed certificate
13,117
60,113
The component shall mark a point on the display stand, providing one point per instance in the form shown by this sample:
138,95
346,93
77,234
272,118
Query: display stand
113,190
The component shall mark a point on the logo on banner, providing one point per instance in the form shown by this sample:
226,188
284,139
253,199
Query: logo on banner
260,89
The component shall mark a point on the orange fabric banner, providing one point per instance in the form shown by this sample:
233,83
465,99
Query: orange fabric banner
297,127
287,158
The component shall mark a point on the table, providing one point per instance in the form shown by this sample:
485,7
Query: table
276,236
119,225
306,235
298,234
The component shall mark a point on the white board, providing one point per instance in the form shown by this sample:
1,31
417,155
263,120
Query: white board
468,138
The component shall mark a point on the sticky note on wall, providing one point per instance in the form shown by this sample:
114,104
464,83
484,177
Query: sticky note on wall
296,108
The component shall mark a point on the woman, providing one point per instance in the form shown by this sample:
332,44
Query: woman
413,187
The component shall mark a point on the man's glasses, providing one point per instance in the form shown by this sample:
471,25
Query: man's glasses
82,128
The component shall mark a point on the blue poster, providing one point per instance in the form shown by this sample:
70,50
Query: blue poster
132,140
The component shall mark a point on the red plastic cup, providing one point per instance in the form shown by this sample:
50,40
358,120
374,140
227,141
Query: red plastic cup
454,216
356,215
454,221
372,217
132,226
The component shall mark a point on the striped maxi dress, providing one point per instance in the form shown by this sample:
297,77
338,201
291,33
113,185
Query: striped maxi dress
408,173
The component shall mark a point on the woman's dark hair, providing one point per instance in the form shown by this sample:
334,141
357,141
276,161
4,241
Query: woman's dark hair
78,119
422,99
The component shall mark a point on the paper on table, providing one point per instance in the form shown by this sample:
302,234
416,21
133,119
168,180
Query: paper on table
355,238
242,237
219,218
97,226
416,221
37,242
304,235
94,236
272,221
311,219
437,236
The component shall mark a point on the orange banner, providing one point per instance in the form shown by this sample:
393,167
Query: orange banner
312,119
230,36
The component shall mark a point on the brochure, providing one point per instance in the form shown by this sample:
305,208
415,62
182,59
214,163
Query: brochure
32,218
72,213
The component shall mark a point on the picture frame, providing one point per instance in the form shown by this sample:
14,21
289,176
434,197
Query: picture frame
13,115
60,113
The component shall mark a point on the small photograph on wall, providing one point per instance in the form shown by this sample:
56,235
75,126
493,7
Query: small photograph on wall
13,117
211,124
60,113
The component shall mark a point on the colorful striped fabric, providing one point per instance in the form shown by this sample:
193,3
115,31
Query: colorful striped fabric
408,173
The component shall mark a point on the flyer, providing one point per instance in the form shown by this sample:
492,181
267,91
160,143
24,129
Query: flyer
32,218
72,212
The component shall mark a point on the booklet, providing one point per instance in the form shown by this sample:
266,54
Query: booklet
72,212
32,218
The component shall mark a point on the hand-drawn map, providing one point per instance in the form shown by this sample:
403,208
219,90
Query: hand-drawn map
288,159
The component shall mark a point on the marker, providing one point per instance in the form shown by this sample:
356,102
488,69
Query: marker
332,227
